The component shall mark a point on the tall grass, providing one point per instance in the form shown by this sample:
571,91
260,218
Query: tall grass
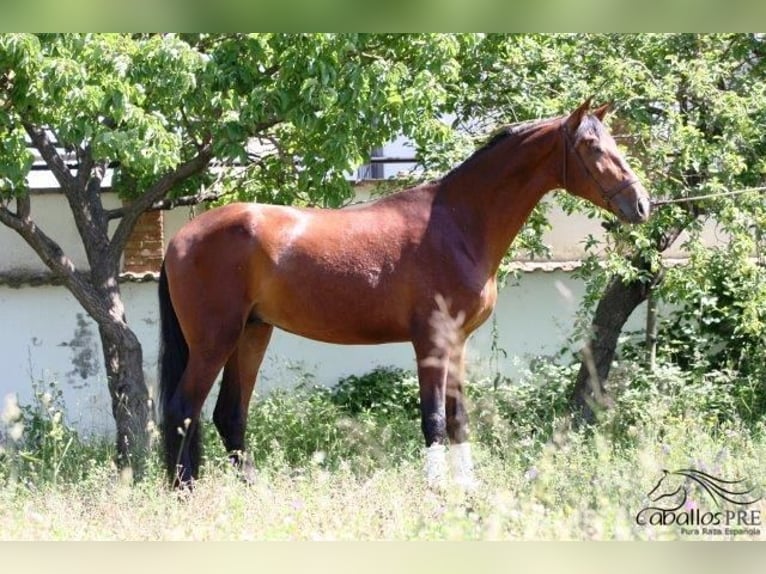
345,463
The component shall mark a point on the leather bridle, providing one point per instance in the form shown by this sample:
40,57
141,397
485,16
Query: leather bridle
607,194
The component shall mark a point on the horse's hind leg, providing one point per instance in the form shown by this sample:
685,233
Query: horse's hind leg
239,374
207,355
181,418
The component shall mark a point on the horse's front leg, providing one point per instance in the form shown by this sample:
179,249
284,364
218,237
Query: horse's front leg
443,413
461,461
433,365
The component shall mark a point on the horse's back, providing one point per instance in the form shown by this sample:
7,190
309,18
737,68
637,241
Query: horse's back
334,275
361,275
233,223
276,229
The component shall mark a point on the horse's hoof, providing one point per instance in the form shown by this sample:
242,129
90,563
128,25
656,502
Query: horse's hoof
245,469
436,467
183,490
248,474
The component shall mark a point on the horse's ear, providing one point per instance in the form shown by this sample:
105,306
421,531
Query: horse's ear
574,119
601,111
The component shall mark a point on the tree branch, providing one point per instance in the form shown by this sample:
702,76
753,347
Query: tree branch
8,218
23,206
48,151
167,204
155,193
85,165
82,194
54,258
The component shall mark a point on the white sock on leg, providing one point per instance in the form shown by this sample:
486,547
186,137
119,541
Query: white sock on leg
436,465
461,464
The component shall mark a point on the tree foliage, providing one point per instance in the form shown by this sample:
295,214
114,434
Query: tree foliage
298,111
690,114
170,118
282,118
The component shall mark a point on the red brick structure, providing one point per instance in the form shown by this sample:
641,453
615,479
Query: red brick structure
144,251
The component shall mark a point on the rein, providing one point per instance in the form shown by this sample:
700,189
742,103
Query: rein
607,194
659,202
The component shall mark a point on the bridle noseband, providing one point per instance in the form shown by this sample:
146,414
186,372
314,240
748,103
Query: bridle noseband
607,194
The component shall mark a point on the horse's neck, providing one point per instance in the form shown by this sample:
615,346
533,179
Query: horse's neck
492,197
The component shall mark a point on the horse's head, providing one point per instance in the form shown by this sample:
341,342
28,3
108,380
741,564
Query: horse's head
660,489
594,168
670,493
664,497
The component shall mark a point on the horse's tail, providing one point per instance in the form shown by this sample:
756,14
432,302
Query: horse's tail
173,356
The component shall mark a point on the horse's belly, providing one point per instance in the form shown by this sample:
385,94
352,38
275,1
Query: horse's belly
343,330
355,319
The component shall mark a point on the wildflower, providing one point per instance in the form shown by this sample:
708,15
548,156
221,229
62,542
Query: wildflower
16,431
11,410
318,457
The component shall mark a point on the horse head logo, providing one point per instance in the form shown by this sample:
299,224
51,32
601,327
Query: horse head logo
665,496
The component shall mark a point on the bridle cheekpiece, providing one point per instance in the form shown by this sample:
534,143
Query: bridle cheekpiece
607,194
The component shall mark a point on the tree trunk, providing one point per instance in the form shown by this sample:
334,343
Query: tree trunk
123,361
123,358
615,307
651,331
98,290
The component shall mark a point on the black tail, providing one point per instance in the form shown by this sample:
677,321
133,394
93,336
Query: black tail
173,356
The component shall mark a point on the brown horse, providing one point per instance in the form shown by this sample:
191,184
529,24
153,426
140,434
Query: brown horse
368,274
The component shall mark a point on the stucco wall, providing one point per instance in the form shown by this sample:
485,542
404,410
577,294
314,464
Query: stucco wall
52,214
50,210
46,337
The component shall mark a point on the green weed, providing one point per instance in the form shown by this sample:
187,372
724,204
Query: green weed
345,463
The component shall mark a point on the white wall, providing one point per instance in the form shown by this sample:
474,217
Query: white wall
52,214
46,337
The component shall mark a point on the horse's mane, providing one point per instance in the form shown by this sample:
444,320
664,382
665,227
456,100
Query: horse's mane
502,134
725,489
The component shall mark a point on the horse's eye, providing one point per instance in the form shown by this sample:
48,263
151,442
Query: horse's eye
597,149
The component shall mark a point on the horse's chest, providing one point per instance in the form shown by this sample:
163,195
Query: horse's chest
471,301
479,307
